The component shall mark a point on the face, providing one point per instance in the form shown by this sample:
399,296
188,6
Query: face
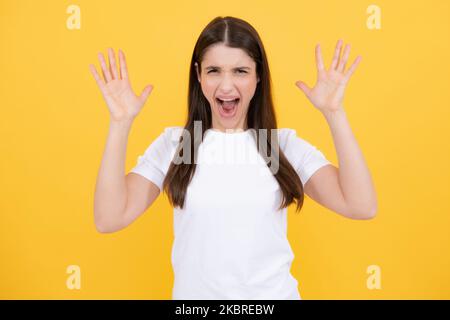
228,74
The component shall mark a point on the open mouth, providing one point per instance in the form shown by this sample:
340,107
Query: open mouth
228,109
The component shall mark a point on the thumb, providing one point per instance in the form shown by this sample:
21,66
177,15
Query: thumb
146,92
304,87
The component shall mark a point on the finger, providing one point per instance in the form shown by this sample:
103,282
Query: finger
352,68
123,65
304,87
343,62
105,70
98,79
319,59
112,64
146,92
337,53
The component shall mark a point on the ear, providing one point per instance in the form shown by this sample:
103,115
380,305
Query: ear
197,71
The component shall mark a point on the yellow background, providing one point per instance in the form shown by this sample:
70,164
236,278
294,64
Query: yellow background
54,122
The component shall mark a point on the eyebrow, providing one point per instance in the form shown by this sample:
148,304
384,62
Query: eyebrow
215,67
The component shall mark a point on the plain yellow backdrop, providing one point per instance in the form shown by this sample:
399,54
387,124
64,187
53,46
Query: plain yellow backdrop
54,124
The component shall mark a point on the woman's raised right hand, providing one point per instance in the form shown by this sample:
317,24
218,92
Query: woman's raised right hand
123,103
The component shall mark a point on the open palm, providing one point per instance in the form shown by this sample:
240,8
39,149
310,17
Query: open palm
123,103
328,93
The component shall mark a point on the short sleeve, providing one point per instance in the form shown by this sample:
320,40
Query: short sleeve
302,155
154,163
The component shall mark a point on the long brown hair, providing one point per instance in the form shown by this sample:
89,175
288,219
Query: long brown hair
235,33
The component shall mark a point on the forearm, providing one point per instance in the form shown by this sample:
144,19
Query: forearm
111,190
354,176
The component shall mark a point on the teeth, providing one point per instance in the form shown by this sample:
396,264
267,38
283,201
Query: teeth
228,99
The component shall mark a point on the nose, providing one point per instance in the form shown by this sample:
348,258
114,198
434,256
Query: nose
226,84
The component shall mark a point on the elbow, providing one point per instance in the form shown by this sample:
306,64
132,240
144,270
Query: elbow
373,212
106,229
367,213
102,227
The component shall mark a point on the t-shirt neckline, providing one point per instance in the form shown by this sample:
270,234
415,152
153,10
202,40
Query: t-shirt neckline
232,132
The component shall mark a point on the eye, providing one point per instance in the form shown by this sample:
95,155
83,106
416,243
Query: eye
239,71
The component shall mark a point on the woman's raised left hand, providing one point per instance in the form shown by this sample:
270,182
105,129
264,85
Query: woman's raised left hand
328,93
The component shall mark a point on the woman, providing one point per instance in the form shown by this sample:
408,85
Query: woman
229,215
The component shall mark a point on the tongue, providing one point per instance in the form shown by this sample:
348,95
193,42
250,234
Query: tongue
229,104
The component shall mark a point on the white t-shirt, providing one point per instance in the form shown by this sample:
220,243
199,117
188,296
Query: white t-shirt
230,239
